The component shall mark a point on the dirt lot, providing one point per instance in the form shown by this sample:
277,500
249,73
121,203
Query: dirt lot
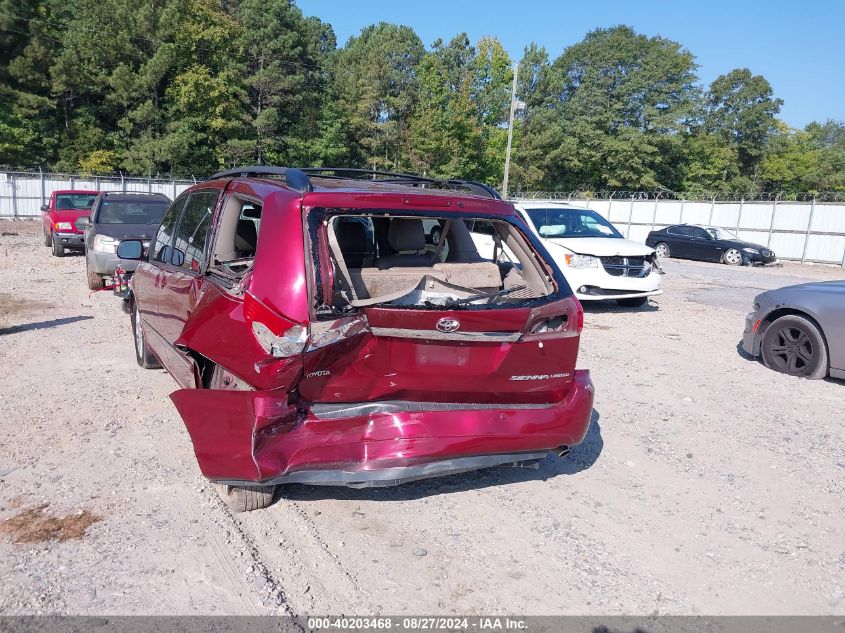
707,484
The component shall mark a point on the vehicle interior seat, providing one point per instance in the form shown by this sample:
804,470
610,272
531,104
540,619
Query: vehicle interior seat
246,238
63,204
406,234
352,239
403,271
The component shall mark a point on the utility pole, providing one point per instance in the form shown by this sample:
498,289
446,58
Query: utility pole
510,132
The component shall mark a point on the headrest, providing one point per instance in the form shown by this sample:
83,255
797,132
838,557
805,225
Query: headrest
406,234
352,239
62,204
246,237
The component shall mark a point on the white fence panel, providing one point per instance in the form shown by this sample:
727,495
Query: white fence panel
756,215
825,248
793,216
668,212
642,212
725,214
828,218
694,213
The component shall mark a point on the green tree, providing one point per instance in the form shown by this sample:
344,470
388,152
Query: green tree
611,113
286,74
810,160
375,76
741,109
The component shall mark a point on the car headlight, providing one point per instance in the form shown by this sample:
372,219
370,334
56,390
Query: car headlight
581,261
105,244
64,226
753,251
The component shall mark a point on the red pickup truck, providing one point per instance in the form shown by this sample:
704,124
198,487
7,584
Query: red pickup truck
60,216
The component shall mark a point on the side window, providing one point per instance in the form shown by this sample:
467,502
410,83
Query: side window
679,230
700,233
192,233
161,246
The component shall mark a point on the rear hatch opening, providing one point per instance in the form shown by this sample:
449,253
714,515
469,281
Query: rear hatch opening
390,260
398,316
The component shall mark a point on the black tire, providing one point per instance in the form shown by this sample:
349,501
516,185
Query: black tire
143,355
435,235
58,249
636,302
247,498
48,238
794,345
662,247
732,257
95,281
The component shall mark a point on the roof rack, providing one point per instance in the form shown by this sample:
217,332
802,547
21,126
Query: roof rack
294,178
300,180
353,173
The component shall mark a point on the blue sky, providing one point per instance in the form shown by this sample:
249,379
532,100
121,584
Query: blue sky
798,46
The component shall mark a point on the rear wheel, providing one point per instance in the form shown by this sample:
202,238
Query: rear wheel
635,302
662,250
732,257
793,345
246,498
143,355
58,249
95,281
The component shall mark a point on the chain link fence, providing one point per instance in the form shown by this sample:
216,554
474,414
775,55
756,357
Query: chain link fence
22,193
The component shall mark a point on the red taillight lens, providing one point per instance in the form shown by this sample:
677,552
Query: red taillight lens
255,310
579,313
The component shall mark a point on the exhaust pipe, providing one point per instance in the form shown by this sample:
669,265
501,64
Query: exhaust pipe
562,451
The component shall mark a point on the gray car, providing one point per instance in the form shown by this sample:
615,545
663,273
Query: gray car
799,330
114,217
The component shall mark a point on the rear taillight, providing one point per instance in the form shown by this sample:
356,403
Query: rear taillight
579,313
552,324
278,336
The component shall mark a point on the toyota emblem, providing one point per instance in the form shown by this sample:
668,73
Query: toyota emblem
448,325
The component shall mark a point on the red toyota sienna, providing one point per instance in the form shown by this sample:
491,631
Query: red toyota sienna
319,337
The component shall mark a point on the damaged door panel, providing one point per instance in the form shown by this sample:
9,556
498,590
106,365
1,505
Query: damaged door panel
229,427
222,329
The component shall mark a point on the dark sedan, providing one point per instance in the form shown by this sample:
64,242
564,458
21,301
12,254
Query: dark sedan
799,330
707,244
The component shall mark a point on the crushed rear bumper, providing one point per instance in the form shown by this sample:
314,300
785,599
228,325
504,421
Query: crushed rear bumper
249,437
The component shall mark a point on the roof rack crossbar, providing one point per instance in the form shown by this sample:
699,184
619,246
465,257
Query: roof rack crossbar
294,178
477,188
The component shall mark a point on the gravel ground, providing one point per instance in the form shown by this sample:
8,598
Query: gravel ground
707,484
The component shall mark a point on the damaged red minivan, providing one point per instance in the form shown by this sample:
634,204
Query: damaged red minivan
319,337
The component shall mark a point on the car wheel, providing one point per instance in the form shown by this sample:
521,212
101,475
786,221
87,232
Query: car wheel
635,302
732,257
48,238
246,498
793,345
58,249
435,235
143,355
95,281
662,250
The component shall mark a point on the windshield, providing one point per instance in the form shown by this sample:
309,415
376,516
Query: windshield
571,223
131,212
67,201
721,234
